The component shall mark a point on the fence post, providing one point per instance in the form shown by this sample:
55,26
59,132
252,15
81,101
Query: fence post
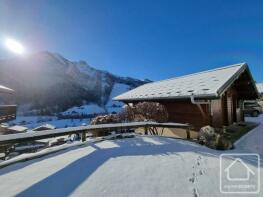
83,137
145,130
188,133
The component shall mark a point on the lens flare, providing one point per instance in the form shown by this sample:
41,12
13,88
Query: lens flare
14,46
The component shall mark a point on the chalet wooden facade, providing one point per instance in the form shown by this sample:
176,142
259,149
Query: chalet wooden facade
213,97
7,112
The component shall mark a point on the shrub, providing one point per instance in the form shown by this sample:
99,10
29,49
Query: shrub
207,136
105,119
211,139
145,111
222,143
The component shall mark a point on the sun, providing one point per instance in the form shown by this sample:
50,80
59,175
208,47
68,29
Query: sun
14,46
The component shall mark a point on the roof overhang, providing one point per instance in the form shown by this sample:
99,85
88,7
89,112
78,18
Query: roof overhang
4,89
235,77
201,97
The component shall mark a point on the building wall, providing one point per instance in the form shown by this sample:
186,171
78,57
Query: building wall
221,112
227,110
217,113
186,112
232,107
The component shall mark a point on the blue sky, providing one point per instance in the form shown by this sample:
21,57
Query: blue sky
141,38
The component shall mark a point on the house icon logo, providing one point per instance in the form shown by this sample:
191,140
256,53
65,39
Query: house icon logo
246,169
240,173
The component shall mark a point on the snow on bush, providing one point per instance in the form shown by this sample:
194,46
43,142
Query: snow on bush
211,139
207,136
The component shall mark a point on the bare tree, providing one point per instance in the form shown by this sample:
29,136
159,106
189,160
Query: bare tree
145,111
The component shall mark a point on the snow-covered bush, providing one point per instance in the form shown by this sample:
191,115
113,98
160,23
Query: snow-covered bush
207,136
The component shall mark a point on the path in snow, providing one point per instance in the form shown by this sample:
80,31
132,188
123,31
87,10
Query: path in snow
252,141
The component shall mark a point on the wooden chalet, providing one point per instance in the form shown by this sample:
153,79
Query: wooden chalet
7,112
214,97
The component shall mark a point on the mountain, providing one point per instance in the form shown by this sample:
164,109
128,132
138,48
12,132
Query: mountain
47,83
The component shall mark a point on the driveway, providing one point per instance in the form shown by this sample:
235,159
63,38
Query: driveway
253,141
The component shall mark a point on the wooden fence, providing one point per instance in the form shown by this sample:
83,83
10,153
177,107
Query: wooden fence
149,127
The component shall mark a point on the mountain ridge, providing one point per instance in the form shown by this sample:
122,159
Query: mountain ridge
48,83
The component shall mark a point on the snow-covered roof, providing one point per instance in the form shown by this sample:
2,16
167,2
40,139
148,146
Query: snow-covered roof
211,83
18,128
260,87
5,89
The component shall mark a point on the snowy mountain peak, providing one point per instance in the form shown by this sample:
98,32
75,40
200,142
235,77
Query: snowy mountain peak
47,83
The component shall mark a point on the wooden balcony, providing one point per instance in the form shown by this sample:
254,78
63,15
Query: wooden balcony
7,113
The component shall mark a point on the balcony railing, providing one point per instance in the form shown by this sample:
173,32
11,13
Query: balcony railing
7,113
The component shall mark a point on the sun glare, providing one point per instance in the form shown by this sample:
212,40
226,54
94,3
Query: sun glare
14,46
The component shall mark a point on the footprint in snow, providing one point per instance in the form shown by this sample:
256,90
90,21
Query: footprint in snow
192,180
196,194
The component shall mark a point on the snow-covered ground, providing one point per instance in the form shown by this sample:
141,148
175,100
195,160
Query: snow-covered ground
253,141
85,110
140,166
35,121
116,106
110,107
